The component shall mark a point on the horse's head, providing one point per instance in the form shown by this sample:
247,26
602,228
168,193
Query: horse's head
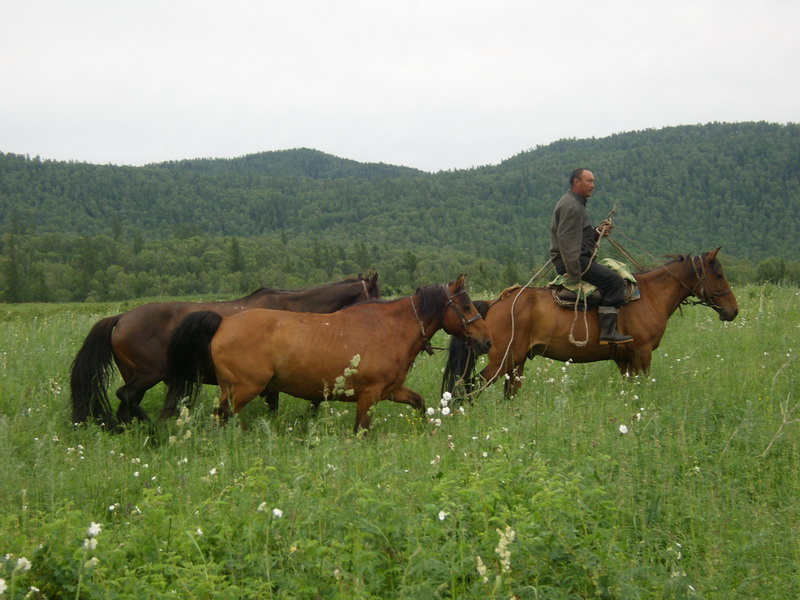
369,283
464,321
712,288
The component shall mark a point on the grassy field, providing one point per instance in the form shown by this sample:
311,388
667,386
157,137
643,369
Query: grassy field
682,484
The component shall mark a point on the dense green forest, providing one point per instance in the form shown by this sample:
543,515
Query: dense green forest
74,231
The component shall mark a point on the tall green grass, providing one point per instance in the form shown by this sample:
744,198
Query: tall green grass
542,496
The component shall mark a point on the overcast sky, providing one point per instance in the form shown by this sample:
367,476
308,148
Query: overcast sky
429,84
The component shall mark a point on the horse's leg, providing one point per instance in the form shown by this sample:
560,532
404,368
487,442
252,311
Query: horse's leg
637,363
364,403
641,360
223,410
624,366
130,396
513,380
237,397
509,374
271,398
403,395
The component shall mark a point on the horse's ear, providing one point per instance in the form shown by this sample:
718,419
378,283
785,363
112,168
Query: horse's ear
713,254
459,282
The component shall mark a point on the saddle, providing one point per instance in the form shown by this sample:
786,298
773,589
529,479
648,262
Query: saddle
587,295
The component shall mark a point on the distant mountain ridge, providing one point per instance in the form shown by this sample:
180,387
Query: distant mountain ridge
676,189
300,162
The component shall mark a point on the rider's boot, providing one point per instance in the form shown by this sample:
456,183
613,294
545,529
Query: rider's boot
608,327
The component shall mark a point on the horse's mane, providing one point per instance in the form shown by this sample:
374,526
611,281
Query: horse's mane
268,290
263,290
431,298
672,258
508,291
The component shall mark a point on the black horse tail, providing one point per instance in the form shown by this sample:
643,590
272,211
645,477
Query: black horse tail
188,358
90,373
459,372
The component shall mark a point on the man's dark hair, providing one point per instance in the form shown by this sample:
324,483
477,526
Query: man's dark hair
576,174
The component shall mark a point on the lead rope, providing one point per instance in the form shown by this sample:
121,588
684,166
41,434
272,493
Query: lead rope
540,273
426,343
601,231
533,280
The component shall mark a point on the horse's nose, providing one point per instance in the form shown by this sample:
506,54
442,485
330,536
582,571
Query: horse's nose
483,346
723,316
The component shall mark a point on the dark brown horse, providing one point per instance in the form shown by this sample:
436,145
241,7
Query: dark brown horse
137,342
359,354
541,327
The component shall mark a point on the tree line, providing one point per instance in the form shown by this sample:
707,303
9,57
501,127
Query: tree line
76,231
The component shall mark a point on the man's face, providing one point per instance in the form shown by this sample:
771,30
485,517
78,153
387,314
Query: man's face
584,185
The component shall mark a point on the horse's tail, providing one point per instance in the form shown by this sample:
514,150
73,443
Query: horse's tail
188,358
90,373
459,372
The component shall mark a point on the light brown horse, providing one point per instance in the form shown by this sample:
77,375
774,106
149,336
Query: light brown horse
137,342
541,327
359,354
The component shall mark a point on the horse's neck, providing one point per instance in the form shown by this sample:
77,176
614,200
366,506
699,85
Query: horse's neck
325,299
425,329
666,287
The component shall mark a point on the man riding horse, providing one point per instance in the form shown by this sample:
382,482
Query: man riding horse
573,245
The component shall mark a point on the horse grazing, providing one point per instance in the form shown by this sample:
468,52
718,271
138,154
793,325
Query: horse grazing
359,354
137,342
541,327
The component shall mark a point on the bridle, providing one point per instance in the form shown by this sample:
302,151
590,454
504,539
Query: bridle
464,321
706,299
698,290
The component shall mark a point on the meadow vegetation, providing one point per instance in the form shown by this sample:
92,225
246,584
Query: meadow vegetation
680,484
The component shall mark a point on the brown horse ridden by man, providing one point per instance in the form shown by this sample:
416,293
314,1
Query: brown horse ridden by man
359,354
137,342
541,327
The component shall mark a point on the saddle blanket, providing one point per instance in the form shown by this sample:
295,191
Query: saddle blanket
588,295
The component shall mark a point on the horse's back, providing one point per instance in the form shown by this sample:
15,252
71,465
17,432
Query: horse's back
301,353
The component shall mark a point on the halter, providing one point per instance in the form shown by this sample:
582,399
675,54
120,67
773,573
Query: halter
464,321
704,299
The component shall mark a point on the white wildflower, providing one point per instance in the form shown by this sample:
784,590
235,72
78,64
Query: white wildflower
23,564
482,570
506,538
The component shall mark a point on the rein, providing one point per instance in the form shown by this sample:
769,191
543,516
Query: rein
426,342
703,298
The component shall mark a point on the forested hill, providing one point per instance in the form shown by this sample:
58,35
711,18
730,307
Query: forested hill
302,162
676,190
